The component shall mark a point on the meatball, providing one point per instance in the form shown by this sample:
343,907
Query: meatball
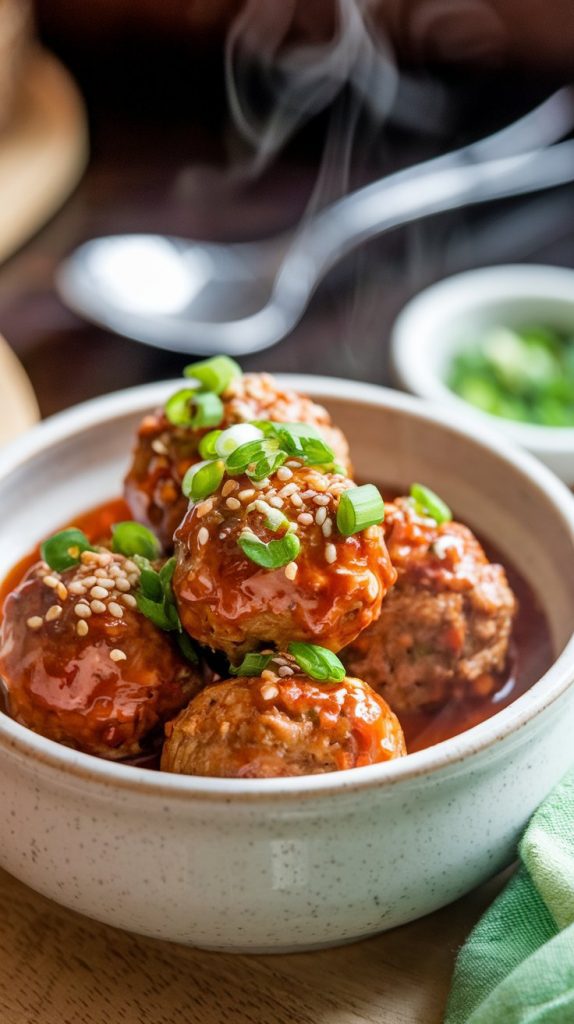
445,627
267,726
82,666
331,592
163,453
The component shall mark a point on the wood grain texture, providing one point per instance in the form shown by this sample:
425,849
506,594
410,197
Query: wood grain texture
59,968
43,150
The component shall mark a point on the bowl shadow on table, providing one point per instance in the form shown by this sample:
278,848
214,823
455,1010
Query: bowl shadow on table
56,966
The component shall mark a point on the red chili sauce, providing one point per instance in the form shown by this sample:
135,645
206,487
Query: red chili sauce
531,649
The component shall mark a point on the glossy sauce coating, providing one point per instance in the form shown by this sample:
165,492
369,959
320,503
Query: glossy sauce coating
270,727
330,592
163,452
531,650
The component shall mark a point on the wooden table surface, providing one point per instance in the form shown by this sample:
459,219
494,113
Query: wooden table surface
156,173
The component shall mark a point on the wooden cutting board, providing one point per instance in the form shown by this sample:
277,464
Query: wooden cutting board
59,968
18,405
43,150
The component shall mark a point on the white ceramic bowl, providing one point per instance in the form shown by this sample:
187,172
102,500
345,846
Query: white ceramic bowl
286,864
451,314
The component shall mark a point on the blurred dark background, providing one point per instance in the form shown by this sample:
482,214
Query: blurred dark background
167,156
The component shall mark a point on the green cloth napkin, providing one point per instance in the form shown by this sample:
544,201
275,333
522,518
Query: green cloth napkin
517,966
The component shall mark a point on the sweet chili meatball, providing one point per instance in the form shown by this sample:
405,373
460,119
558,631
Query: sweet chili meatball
445,627
82,666
267,726
326,595
163,453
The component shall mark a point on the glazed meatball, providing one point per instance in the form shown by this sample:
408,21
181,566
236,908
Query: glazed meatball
163,453
445,627
268,726
330,592
82,666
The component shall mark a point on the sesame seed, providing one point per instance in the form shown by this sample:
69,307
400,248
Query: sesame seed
320,516
88,558
82,628
77,587
117,655
203,508
285,671
247,494
82,611
202,535
115,571
321,499
62,591
233,504
133,578
97,607
130,566
100,593
51,582
276,501
107,583
122,584
293,464
310,493
88,581
229,487
284,473
35,622
159,447
288,489
260,484
327,527
305,518
129,600
373,532
373,586
269,692
291,570
297,500
330,553
268,674
115,609
54,612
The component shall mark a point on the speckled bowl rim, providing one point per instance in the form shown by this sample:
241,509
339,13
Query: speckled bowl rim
425,763
410,341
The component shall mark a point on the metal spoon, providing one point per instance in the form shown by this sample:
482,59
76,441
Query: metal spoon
239,298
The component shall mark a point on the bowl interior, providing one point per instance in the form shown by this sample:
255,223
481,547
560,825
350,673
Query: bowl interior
393,439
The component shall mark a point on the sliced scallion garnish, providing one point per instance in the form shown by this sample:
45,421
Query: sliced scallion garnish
206,446
131,538
253,664
202,479
428,503
64,549
195,409
359,507
214,374
317,662
235,437
303,440
272,555
155,600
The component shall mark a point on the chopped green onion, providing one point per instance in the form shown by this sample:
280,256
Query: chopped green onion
131,538
359,507
214,374
202,479
154,611
206,446
235,437
272,555
63,550
188,408
252,665
155,597
318,662
429,503
304,441
187,648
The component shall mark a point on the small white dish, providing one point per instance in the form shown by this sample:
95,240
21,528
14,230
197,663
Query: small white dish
450,315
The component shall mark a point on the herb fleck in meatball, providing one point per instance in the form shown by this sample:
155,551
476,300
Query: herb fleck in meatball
163,452
326,595
445,627
82,666
271,726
